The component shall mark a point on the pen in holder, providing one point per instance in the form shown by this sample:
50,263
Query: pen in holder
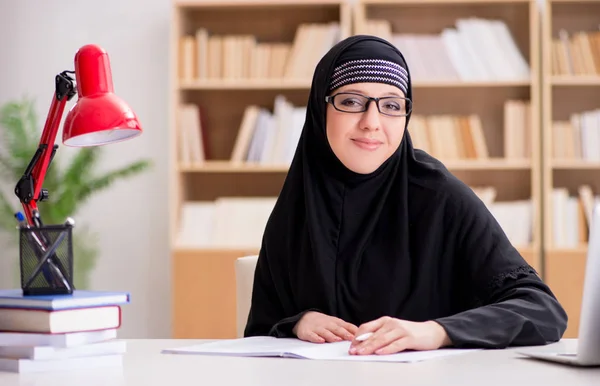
46,259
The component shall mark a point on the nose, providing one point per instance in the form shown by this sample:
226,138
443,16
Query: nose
370,118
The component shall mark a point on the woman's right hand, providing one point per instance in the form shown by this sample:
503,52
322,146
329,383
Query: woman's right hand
320,328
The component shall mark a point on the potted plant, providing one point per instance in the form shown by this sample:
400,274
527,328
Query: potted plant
70,186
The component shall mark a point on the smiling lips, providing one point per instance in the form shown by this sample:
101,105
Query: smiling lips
367,144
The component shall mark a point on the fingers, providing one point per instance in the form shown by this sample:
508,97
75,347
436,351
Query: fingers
351,328
381,338
342,332
396,346
328,335
320,328
371,326
313,337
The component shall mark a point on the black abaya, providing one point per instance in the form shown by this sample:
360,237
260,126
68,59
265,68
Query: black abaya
408,241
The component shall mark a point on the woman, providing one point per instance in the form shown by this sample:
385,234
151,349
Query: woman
371,235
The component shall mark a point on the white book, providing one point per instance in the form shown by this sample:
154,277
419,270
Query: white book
56,340
195,228
31,366
55,353
458,55
268,346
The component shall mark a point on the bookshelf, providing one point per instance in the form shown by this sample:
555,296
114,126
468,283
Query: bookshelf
235,64
495,115
500,102
571,139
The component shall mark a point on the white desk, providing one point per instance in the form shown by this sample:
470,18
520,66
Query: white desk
144,366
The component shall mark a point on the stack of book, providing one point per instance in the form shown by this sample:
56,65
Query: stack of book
59,332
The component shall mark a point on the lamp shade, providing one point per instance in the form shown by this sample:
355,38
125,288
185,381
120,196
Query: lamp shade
99,117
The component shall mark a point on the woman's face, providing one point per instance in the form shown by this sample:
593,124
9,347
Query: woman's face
363,141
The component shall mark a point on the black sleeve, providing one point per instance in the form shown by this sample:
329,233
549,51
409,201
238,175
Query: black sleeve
514,306
267,315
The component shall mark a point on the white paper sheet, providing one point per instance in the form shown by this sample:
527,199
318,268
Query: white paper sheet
295,348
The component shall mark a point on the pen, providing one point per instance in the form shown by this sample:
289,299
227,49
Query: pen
364,336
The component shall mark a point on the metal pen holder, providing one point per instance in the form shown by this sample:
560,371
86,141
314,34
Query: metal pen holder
46,259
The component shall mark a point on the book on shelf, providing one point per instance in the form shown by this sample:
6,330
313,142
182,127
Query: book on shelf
577,138
227,222
210,56
192,136
571,215
266,137
576,53
269,138
462,137
239,222
449,137
515,216
57,332
476,49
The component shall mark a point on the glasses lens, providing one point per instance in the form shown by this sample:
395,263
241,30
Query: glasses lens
396,106
351,103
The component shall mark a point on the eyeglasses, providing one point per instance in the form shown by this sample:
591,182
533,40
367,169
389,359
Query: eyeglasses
349,102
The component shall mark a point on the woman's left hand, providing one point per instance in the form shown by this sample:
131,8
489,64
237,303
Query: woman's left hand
391,335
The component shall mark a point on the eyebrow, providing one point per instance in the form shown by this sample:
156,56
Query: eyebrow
390,93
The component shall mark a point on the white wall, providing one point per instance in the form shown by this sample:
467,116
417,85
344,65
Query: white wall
38,39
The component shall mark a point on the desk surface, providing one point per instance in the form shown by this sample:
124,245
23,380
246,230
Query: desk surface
145,365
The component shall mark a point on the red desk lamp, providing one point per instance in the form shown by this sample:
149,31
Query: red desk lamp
99,117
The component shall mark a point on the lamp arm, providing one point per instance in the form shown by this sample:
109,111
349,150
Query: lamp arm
29,187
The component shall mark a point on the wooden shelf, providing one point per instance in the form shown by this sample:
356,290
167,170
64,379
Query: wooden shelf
252,3
571,2
287,84
197,312
444,2
565,272
229,167
489,164
563,96
581,80
575,165
579,250
246,84
468,84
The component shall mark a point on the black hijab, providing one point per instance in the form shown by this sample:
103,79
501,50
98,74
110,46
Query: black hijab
339,240
362,246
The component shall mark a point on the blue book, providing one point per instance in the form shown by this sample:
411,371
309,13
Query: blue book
13,298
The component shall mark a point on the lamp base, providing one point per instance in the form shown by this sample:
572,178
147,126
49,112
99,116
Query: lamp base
46,260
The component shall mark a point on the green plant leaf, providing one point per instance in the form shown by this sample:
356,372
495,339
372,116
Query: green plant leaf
106,180
6,167
22,133
81,165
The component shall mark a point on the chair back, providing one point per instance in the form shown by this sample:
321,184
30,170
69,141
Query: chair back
244,280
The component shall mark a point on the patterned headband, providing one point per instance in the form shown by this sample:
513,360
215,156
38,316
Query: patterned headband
370,70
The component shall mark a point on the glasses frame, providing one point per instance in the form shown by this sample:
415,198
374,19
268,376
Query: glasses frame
330,99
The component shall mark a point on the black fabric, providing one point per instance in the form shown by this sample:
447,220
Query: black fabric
408,240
